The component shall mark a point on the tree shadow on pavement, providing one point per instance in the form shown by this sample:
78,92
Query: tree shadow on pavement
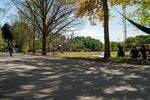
43,78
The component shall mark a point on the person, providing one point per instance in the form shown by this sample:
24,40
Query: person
8,36
148,52
142,51
134,53
120,53
101,53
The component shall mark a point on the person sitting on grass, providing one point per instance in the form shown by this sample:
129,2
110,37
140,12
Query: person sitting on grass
120,53
134,53
148,51
142,51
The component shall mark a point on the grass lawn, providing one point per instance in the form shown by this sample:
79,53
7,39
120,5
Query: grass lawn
81,54
92,55
95,55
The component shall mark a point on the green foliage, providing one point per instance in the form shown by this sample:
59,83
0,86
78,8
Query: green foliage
137,41
55,40
38,44
85,43
142,13
22,36
114,46
2,43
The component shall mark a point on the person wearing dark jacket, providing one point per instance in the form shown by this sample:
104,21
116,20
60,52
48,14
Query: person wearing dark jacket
143,51
120,53
7,32
134,53
8,36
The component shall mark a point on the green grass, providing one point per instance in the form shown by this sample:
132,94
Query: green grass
113,54
94,55
80,54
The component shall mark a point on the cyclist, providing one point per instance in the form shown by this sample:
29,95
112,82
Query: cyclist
8,36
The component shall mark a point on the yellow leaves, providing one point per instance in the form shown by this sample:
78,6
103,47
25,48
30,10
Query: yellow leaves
71,1
86,7
89,7
128,2
100,14
74,2
120,2
93,8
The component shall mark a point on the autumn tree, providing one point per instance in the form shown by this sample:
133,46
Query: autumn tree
98,10
50,16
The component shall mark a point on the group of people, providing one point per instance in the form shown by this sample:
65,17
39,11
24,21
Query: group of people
143,52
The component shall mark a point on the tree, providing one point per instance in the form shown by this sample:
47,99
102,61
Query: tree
142,13
22,36
32,31
113,46
55,41
50,16
98,9
84,44
2,43
106,30
140,39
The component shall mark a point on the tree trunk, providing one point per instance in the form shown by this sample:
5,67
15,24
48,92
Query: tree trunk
33,39
33,45
20,46
44,42
106,30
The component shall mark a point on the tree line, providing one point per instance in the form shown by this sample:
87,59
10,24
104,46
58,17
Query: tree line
24,40
41,20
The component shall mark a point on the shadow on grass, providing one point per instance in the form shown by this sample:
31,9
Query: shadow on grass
43,78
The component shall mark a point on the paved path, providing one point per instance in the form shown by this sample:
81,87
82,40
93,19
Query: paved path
25,77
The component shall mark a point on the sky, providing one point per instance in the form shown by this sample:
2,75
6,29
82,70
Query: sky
115,26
